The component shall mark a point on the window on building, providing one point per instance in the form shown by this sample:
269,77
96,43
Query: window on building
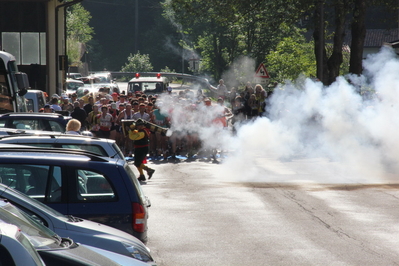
27,47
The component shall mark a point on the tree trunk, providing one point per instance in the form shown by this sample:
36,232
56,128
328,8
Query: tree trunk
318,36
358,36
335,60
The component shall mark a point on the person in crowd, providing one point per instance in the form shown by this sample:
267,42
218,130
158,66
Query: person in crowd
66,105
260,95
125,115
254,107
48,109
92,120
54,104
105,121
74,97
140,136
161,139
122,99
141,113
238,111
115,113
88,107
221,89
247,95
73,126
86,96
79,114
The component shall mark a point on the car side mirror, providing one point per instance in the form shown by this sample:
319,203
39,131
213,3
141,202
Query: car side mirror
22,82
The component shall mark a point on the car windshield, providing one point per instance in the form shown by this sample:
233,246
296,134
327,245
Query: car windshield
40,236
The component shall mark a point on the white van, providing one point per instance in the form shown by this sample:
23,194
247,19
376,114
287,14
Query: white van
36,99
149,85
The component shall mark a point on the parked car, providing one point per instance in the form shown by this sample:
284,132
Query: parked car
78,183
55,250
72,85
15,248
35,100
80,230
35,121
104,147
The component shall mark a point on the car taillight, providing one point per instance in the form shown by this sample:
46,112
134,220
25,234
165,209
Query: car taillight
138,217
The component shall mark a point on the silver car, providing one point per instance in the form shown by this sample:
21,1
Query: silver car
80,230
55,250
15,248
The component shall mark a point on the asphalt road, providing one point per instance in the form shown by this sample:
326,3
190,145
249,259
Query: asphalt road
201,215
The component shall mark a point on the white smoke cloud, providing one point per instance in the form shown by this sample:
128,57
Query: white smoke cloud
343,133
353,136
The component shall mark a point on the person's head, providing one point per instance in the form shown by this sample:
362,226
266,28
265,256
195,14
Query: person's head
76,104
113,106
122,98
86,91
220,101
81,102
258,88
95,108
91,100
128,107
221,81
73,125
54,100
115,96
135,106
142,107
47,109
122,107
207,102
104,108
139,123
74,97
65,100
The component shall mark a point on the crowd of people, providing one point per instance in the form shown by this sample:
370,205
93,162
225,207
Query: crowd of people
186,117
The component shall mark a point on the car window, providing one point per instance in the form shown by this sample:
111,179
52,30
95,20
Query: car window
37,181
56,126
90,147
92,186
29,104
29,124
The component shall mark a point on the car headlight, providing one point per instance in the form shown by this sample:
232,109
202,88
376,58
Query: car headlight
139,254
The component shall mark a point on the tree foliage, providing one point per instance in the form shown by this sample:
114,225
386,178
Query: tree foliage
292,56
79,33
137,63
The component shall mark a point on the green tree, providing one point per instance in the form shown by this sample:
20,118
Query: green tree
79,33
293,56
137,63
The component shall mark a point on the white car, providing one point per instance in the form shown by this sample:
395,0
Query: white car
103,147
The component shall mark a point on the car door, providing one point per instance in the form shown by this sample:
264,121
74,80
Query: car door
93,196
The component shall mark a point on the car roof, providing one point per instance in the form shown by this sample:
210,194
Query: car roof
16,150
24,114
51,134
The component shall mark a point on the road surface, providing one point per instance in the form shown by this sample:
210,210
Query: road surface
201,216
